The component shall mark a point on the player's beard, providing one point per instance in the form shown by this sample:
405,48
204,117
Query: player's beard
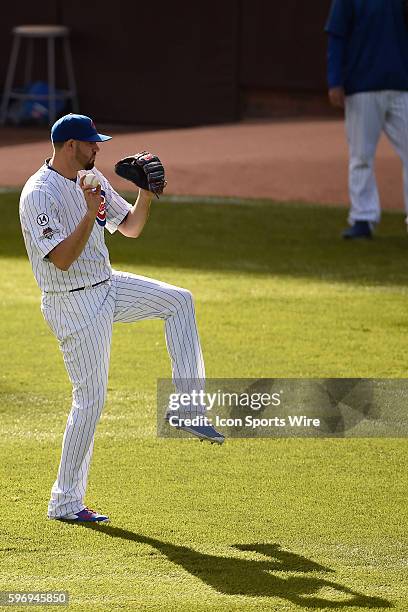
84,162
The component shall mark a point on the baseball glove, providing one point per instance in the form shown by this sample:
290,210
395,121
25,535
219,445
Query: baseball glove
144,170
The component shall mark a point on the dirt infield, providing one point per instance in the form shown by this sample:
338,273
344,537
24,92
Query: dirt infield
282,160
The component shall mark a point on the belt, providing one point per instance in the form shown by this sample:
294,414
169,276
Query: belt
89,286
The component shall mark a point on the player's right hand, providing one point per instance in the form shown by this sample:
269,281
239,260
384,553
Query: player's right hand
92,195
336,97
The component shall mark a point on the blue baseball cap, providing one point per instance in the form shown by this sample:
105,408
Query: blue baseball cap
76,127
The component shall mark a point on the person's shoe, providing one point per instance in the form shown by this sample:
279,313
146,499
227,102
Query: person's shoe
84,516
203,430
359,229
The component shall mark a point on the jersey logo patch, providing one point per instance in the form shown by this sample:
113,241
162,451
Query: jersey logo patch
48,233
42,219
101,214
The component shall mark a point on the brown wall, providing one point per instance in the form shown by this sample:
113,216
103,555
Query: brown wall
283,45
181,63
181,70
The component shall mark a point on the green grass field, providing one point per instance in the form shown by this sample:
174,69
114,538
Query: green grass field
253,525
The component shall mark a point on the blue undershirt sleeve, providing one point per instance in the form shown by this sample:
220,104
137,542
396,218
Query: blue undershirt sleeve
341,18
336,49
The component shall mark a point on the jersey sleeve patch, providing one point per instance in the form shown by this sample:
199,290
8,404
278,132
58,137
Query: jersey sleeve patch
43,219
40,222
48,233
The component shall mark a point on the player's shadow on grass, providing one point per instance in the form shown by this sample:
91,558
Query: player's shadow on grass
255,578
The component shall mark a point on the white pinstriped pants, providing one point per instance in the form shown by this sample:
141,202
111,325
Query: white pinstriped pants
82,321
367,115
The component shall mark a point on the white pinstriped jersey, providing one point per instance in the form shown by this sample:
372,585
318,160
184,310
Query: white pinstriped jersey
51,206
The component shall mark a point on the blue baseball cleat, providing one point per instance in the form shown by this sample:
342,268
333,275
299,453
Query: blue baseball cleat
84,516
359,229
204,432
196,426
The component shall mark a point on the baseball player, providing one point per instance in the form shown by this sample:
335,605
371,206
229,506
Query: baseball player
368,75
63,220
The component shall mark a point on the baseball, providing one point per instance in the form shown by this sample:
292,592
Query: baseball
90,179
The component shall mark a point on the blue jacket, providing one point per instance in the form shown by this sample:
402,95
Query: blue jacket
368,45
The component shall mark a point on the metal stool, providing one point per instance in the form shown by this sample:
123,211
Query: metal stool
50,33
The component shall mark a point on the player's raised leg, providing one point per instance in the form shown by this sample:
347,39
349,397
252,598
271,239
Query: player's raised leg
138,298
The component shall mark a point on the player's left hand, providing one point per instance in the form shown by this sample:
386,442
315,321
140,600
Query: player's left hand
144,170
